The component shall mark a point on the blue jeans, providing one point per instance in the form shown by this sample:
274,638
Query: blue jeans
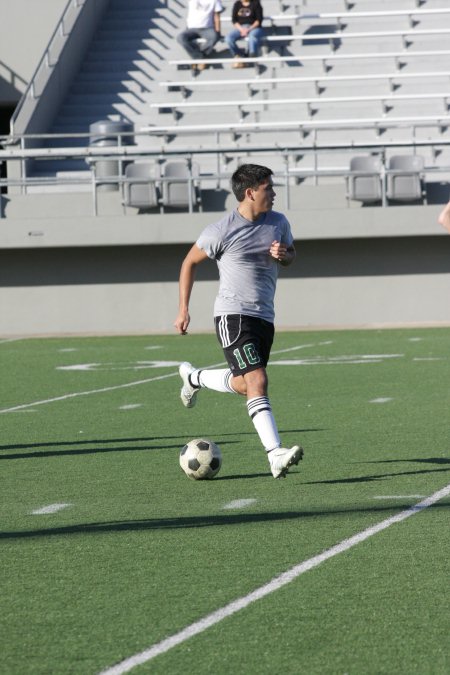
254,41
188,40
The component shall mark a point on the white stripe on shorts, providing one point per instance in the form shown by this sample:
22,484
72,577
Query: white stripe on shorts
223,331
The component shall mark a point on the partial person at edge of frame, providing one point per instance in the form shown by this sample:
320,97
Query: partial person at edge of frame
444,217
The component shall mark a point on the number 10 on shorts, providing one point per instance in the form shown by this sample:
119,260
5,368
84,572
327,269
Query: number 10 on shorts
249,357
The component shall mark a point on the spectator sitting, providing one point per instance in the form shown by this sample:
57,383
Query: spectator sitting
246,17
203,21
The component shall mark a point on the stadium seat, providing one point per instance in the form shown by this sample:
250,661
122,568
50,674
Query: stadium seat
365,184
140,189
180,188
405,181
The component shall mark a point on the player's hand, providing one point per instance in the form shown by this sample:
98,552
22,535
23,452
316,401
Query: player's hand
182,322
278,251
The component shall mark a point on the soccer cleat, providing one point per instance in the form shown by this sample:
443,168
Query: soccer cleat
282,458
188,392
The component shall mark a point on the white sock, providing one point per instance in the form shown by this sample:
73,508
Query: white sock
219,380
264,422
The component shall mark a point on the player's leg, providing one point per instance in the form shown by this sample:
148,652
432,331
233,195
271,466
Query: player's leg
196,378
251,354
219,379
246,342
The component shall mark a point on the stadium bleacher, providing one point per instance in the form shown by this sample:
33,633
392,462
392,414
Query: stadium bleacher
93,141
324,63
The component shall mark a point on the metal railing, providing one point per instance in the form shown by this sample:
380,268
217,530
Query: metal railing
287,178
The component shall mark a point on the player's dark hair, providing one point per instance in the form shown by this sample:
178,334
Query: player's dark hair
248,176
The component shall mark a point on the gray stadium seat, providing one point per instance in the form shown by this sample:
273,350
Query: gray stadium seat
405,182
365,184
178,190
140,189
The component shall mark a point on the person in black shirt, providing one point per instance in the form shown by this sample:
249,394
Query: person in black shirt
246,17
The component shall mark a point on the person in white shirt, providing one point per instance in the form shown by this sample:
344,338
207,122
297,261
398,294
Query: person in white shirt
203,21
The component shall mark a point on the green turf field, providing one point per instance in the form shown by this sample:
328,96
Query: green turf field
108,548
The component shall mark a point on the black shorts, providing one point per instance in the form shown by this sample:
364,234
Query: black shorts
246,341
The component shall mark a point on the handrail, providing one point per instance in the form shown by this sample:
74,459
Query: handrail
49,58
128,153
300,125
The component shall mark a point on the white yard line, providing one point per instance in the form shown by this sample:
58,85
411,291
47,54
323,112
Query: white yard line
398,497
274,585
51,508
123,386
239,504
381,400
4,340
86,393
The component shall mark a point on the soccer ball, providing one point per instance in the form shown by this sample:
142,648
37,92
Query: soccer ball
201,459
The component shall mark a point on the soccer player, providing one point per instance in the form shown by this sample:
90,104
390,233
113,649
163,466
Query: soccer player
248,244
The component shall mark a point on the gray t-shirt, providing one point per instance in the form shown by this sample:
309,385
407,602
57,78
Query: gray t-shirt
248,274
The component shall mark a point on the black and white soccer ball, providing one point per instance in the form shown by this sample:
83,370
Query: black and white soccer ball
201,459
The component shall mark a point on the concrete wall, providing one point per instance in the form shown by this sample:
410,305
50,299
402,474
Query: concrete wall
25,29
361,267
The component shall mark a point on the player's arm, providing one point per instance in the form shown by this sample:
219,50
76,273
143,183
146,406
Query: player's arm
187,278
284,254
444,217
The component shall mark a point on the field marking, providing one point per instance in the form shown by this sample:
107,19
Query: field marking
103,390
398,497
381,400
133,365
4,340
336,360
239,504
75,394
51,508
274,585
130,406
428,358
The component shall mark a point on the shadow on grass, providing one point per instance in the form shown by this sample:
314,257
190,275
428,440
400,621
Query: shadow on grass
35,453
199,521
384,476
94,451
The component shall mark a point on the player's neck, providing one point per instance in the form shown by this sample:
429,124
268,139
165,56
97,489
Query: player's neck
247,212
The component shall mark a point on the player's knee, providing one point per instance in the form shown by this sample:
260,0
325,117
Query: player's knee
257,382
